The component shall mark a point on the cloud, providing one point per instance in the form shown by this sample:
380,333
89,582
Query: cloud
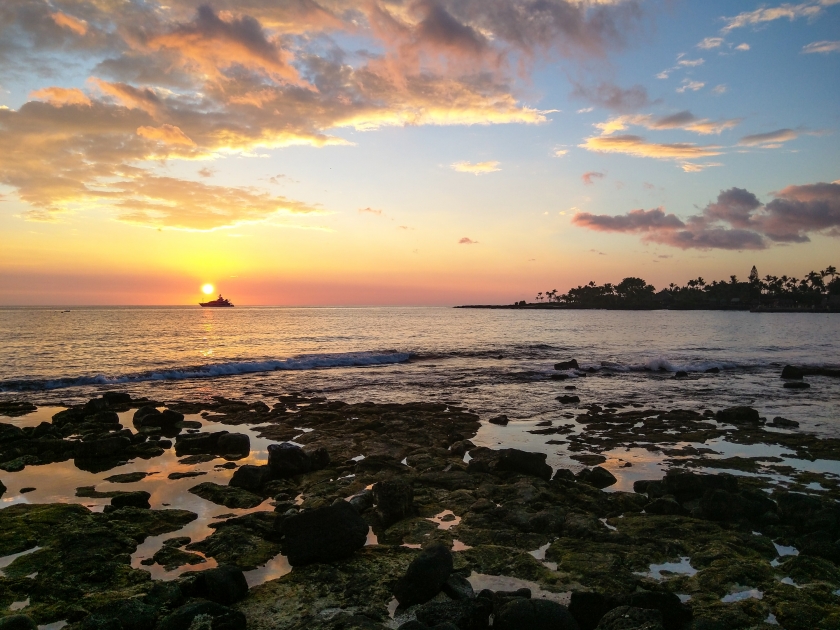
206,172
467,241
770,14
560,152
587,177
476,168
613,97
692,167
370,211
822,47
742,47
168,134
710,42
691,63
585,110
736,220
688,84
61,96
79,27
637,146
719,89
769,138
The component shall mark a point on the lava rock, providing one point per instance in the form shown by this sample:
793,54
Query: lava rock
425,576
568,398
137,499
681,374
123,614
228,496
234,444
630,618
597,477
588,608
663,506
567,365
712,370
675,614
362,501
797,385
323,535
223,585
17,622
514,460
102,447
223,618
783,423
792,372
394,501
738,415
458,587
564,474
287,460
500,420
534,614
117,398
462,614
250,477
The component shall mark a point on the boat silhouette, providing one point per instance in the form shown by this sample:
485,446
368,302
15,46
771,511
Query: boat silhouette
217,303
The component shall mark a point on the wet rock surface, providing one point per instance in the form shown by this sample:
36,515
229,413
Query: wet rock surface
695,548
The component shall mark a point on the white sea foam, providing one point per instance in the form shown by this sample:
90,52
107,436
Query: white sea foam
231,368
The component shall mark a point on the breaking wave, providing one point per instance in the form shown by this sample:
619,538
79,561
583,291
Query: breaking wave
230,368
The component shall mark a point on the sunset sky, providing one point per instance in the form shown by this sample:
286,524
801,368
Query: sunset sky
350,152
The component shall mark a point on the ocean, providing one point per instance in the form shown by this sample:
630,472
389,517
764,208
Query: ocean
492,361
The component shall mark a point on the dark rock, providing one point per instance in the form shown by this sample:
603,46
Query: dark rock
138,499
534,614
198,443
324,534
783,423
712,370
797,385
185,475
568,398
663,506
226,495
641,485
146,414
720,505
131,477
462,614
362,501
461,448
167,595
681,374
394,501
738,415
514,460
675,614
458,587
588,608
234,444
425,576
792,372
597,477
223,618
104,417
567,365
564,474
250,477
629,618
559,377
223,585
117,398
17,622
131,614
287,460
500,420
94,405
101,448
688,486
2,489
570,387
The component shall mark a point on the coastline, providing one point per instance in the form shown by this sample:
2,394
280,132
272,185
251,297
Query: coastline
714,516
657,307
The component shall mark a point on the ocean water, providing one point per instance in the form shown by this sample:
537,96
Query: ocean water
493,361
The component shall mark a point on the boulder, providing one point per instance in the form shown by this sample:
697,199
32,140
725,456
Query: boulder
712,370
797,385
681,374
323,535
597,477
458,587
663,506
228,496
122,614
738,415
146,410
100,448
103,417
117,398
287,460
223,585
514,460
461,614
394,501
234,444
250,477
783,423
534,614
500,420
572,364
223,618
138,499
17,622
425,576
588,608
568,399
630,618
564,474
362,501
675,614
792,372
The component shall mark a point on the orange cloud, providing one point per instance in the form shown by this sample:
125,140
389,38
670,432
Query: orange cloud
639,147
76,25
168,134
477,168
61,96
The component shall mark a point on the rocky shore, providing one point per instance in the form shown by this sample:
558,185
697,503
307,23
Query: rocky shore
390,516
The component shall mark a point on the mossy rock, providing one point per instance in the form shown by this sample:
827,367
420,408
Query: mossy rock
245,542
226,495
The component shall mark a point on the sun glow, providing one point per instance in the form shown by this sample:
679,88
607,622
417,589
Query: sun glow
207,289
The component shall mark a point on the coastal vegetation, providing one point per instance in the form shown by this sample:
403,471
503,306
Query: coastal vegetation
817,290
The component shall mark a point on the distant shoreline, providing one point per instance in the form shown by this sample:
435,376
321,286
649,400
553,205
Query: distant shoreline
658,307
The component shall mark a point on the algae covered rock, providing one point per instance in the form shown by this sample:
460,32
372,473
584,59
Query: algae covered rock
287,460
534,614
17,622
394,501
630,618
226,495
323,534
597,477
738,415
425,576
203,615
245,542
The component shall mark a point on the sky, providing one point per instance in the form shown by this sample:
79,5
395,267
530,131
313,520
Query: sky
418,152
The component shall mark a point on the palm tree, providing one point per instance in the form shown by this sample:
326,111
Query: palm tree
539,296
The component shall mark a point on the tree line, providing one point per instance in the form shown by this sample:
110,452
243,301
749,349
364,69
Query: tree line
814,290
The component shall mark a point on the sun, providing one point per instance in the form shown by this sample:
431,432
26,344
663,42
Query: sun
207,288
